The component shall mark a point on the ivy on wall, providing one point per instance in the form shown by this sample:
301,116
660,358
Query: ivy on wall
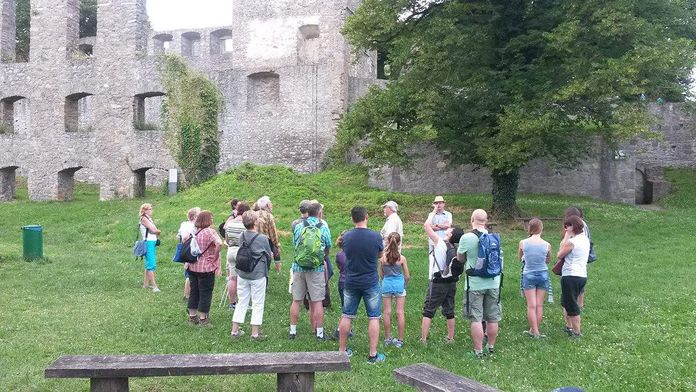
190,118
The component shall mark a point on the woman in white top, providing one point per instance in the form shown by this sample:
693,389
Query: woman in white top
149,233
575,249
186,230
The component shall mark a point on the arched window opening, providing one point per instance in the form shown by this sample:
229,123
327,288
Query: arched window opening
191,44
12,114
221,41
161,43
79,112
66,183
139,181
147,111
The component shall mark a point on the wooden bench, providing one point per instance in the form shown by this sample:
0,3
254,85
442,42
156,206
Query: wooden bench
110,373
429,378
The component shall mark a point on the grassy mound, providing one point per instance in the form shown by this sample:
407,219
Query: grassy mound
86,296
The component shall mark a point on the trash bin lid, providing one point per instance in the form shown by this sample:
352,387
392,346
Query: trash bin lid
32,227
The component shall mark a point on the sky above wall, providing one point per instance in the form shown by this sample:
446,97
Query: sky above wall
178,14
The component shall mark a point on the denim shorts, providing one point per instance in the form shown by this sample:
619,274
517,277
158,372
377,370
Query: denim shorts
536,280
371,296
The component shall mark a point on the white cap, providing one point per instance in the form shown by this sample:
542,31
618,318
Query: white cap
391,204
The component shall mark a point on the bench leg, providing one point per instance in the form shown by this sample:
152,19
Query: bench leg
108,384
295,382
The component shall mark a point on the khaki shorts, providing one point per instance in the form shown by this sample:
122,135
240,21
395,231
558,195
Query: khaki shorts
231,260
484,305
308,282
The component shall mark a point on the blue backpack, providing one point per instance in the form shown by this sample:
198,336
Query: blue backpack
489,262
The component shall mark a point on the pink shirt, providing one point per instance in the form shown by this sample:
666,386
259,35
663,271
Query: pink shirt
209,261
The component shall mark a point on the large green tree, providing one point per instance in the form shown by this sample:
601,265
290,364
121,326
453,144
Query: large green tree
498,83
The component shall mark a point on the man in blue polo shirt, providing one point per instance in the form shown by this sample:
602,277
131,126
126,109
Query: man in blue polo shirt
363,248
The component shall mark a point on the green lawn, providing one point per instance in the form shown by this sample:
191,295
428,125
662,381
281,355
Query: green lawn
86,296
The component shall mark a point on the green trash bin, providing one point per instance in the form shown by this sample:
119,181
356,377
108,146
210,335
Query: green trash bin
32,237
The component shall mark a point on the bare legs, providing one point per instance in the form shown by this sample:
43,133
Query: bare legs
149,280
535,309
386,317
425,329
477,334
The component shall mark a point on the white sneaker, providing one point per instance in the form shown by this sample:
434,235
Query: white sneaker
156,290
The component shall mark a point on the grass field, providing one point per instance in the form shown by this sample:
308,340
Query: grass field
86,296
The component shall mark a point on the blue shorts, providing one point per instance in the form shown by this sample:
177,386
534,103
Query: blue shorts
371,296
536,280
393,286
151,255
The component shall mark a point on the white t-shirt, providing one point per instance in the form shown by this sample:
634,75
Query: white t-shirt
576,261
150,235
186,229
440,254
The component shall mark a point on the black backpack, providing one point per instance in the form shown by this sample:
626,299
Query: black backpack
187,256
245,260
454,268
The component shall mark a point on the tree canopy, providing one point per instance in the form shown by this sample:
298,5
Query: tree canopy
498,83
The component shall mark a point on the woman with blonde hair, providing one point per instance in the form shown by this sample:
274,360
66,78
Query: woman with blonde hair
535,253
149,233
393,269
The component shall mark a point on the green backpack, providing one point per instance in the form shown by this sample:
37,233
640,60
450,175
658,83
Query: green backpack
309,252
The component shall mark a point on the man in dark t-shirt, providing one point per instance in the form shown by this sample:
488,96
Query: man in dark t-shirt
363,248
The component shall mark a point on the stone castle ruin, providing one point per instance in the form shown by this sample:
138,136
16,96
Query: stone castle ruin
88,109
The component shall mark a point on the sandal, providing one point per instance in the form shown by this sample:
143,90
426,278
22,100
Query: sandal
237,335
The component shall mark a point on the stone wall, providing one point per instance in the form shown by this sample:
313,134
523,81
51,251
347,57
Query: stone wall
633,175
78,108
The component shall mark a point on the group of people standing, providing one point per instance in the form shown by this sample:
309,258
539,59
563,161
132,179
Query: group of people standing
372,270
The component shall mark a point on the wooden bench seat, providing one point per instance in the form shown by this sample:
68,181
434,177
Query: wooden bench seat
429,378
110,373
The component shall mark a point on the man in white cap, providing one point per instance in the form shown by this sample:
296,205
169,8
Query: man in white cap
393,223
439,219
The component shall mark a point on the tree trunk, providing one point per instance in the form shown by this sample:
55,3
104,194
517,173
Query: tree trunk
505,195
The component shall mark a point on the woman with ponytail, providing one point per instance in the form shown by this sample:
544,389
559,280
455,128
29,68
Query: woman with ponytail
393,270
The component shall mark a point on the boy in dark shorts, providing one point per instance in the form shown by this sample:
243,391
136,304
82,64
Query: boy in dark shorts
443,275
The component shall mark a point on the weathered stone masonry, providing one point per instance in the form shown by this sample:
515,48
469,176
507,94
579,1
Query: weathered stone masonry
633,174
80,108
85,109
